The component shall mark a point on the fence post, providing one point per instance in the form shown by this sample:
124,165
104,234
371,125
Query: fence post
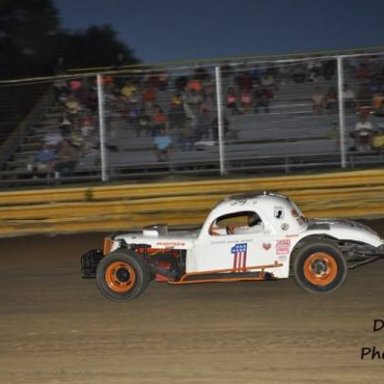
220,119
340,83
103,153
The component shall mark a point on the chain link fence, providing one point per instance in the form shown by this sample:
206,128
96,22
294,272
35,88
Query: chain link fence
248,116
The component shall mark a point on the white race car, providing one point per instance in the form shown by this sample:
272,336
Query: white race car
256,236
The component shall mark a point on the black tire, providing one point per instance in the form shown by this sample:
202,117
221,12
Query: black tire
319,266
122,276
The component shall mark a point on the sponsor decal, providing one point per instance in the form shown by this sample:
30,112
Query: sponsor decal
278,212
239,252
238,202
267,246
170,243
283,246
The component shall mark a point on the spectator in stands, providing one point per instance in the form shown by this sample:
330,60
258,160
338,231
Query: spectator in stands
159,120
133,116
149,97
364,97
177,100
67,158
231,101
54,137
143,123
261,98
245,81
245,100
87,127
128,89
194,84
378,140
349,98
378,103
65,126
176,113
72,109
363,134
202,126
116,106
131,108
72,105
267,82
77,139
87,124
134,99
45,158
186,135
76,88
192,101
163,145
317,101
193,98
330,100
91,100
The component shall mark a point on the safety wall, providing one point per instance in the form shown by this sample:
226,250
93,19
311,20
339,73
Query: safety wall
112,208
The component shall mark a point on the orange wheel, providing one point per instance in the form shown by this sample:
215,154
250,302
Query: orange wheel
319,265
120,276
320,268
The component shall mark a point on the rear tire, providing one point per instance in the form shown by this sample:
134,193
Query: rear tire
122,276
319,267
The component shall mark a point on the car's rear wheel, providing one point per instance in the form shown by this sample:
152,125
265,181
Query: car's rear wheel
122,275
319,266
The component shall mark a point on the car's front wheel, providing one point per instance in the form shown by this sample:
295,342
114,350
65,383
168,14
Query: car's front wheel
122,275
319,266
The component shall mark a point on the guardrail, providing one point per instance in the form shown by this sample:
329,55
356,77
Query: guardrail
357,194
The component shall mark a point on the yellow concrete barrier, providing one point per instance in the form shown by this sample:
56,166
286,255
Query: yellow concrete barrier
120,207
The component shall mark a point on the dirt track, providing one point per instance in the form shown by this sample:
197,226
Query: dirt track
57,328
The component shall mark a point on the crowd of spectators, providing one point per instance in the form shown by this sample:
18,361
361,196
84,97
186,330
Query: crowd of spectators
364,93
175,112
72,135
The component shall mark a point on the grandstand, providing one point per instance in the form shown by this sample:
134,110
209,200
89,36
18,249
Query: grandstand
274,129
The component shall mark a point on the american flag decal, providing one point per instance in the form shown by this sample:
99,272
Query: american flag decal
239,252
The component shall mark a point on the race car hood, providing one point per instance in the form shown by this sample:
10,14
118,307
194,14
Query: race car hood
158,237
345,230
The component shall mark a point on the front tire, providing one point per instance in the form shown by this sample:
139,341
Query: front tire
122,276
320,267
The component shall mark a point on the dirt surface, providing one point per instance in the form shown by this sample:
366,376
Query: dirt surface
57,328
